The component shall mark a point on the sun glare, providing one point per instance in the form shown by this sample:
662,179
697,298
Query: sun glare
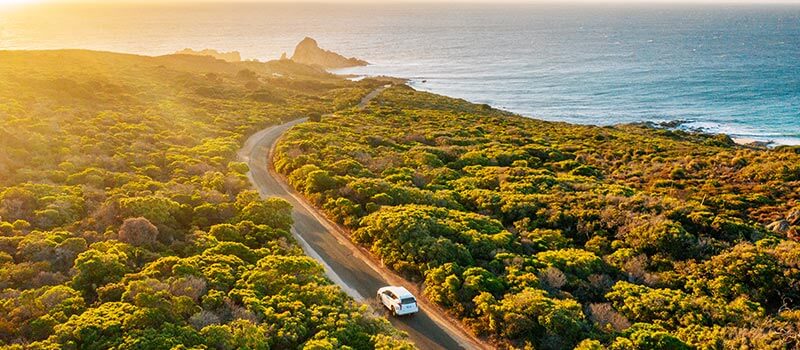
17,2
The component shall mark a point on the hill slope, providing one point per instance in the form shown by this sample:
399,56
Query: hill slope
125,221
554,235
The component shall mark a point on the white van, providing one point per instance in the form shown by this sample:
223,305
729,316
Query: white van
398,300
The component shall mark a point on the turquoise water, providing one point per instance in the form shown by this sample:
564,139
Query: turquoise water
731,69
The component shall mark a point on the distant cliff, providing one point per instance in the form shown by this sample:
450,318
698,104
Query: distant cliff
232,56
309,52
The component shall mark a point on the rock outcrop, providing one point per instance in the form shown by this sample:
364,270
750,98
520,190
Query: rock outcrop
232,56
794,217
308,52
780,226
790,226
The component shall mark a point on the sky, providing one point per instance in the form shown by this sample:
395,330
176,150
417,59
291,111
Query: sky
17,3
418,1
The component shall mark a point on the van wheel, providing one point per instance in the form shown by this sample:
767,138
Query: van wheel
394,312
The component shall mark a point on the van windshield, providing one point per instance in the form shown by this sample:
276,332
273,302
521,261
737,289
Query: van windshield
408,301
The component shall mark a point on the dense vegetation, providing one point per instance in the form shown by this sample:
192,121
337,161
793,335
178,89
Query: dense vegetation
126,221
553,236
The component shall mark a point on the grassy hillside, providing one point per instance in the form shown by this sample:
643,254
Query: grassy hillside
126,221
552,236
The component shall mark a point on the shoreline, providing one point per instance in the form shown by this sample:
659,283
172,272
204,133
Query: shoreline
741,140
750,142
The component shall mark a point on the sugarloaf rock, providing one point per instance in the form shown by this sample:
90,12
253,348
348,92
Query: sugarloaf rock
308,52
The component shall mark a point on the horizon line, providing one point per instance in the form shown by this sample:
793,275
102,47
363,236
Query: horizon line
362,2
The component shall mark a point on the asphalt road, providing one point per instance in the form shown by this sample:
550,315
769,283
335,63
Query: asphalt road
344,263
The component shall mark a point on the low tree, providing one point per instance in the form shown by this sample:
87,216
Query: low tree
315,117
95,269
138,231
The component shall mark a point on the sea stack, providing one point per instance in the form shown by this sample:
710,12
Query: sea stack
308,52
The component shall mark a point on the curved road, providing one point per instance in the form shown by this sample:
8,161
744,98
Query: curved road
347,265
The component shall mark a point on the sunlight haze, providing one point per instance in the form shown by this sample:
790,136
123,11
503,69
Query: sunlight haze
17,2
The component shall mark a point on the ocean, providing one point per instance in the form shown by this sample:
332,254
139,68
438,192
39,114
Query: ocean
731,69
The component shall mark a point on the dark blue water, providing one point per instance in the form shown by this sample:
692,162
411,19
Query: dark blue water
732,69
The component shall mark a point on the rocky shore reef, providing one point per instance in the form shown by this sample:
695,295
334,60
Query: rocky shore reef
232,56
